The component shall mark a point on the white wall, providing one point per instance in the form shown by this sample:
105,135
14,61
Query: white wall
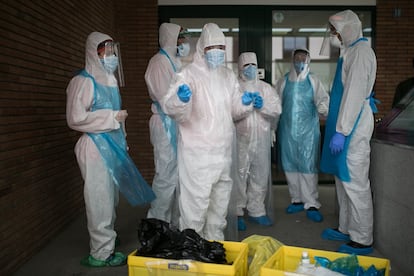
270,2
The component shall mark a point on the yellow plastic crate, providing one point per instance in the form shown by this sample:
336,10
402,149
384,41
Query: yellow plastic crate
236,254
287,258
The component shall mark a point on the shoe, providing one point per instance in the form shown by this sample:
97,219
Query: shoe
313,214
241,224
355,248
262,220
295,208
334,235
115,259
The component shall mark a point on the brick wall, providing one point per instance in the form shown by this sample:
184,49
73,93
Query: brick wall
137,30
42,44
394,48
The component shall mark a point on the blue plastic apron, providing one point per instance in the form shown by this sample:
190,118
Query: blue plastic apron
112,147
298,130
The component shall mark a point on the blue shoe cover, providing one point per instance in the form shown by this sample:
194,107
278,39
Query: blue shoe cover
295,208
241,225
314,215
262,220
347,248
334,235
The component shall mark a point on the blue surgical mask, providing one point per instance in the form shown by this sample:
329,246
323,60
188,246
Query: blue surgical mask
110,63
299,66
250,72
215,58
183,49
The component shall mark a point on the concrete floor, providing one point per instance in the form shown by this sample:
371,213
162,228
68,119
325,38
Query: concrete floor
62,255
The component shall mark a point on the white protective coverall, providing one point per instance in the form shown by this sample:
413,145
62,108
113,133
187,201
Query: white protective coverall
354,119
303,98
206,133
100,192
160,70
254,134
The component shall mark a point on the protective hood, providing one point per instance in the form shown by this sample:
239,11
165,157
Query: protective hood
168,36
210,35
92,63
293,76
348,25
247,58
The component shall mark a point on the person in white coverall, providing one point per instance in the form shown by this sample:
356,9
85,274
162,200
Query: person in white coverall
160,70
303,99
349,126
254,134
204,99
94,108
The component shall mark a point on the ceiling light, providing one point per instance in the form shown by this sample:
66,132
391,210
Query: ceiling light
281,30
312,30
194,30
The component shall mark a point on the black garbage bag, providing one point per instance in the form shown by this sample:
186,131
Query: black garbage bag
159,239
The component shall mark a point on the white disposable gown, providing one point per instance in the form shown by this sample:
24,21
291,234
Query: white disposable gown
355,120
254,134
160,70
100,192
206,133
303,98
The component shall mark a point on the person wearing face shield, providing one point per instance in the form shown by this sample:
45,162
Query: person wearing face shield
254,134
160,70
304,99
204,100
94,108
349,126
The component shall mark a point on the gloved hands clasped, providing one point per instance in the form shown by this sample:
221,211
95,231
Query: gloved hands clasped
337,143
252,97
184,93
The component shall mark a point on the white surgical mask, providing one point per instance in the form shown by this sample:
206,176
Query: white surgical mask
110,63
335,42
215,58
183,49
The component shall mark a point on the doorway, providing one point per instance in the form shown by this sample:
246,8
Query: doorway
272,32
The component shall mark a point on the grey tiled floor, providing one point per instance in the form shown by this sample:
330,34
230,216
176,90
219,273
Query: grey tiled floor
62,255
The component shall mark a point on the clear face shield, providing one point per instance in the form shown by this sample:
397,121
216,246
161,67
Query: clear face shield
183,43
331,40
110,55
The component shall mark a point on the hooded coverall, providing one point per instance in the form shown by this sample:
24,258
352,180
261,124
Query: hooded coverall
254,144
205,141
303,98
160,70
350,113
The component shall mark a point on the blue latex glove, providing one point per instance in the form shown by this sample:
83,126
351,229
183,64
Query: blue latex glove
258,102
184,93
247,98
337,143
